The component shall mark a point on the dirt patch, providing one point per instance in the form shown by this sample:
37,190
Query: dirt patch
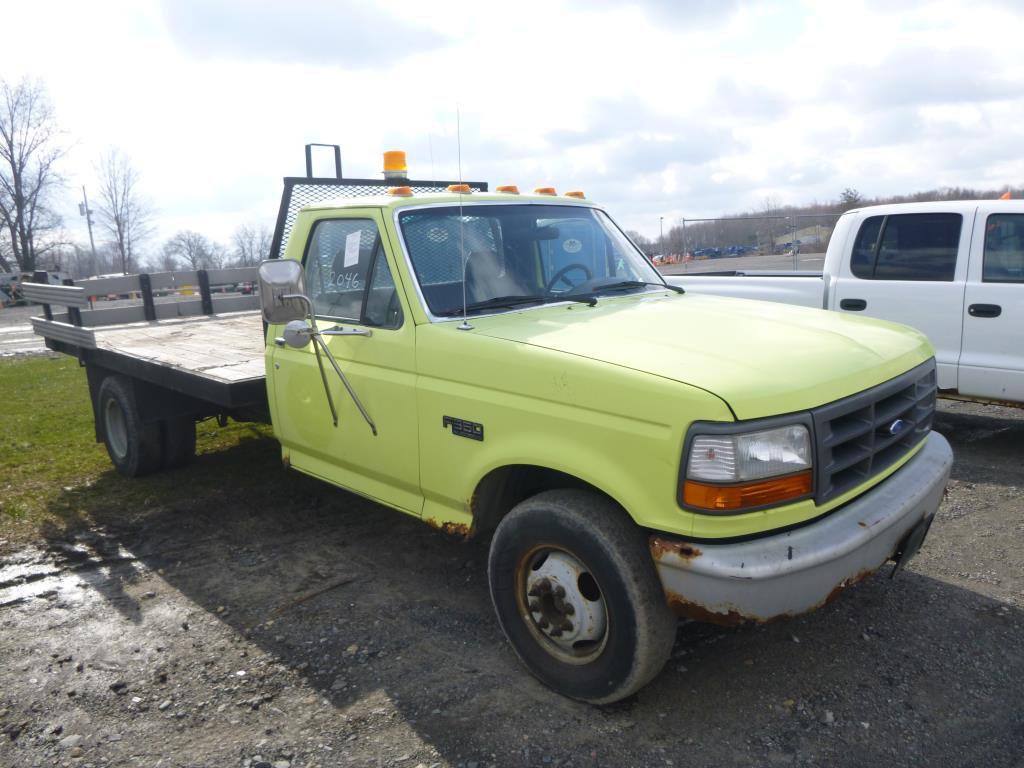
283,622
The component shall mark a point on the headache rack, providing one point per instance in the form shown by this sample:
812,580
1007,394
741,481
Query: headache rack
300,191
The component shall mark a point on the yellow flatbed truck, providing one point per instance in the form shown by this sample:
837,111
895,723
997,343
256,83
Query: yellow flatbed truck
511,365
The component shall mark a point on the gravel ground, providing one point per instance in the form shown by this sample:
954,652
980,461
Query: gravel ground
316,628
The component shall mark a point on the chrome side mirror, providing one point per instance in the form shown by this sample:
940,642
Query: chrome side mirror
282,289
298,334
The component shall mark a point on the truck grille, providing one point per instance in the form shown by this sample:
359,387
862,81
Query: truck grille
864,434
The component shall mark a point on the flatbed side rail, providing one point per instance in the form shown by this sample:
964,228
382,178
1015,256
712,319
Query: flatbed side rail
76,326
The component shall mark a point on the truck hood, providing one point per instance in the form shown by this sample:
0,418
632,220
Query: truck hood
762,358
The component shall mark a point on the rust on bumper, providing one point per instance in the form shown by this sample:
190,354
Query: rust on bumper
797,571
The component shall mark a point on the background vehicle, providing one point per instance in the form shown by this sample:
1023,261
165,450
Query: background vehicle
953,270
493,364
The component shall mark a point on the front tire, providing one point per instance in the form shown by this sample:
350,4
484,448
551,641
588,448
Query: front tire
578,596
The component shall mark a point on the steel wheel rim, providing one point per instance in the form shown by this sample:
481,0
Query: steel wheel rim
562,604
116,428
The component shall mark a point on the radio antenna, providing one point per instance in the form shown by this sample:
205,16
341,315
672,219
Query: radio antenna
430,146
465,326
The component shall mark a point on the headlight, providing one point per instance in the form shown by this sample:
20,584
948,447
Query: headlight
744,470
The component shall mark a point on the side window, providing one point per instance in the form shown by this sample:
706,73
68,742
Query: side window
1003,260
862,263
383,310
912,246
347,274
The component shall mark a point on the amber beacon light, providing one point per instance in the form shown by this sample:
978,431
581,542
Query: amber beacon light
394,165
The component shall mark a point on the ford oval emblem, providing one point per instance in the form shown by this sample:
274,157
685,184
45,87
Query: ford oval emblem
898,426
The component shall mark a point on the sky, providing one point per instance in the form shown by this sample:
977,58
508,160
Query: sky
658,110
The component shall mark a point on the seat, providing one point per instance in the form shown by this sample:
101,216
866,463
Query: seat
486,278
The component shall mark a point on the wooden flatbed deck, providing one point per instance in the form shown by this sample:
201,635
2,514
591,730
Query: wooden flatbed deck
225,348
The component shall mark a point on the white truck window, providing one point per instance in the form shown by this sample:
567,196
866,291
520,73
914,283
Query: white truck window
1003,261
912,246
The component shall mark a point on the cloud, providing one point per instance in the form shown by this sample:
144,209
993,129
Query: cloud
692,12
919,76
341,33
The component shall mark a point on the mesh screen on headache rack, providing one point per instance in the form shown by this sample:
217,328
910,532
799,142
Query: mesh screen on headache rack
300,192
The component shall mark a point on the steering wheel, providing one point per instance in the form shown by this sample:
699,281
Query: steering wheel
560,275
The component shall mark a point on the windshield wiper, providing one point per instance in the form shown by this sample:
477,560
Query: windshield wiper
495,302
507,302
623,285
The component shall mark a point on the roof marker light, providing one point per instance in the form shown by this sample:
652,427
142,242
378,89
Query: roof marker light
545,191
462,189
508,189
400,191
394,165
577,193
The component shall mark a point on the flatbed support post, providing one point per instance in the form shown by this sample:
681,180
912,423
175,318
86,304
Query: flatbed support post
41,277
204,291
148,306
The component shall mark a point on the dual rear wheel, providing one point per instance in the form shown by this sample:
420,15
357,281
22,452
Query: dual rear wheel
138,447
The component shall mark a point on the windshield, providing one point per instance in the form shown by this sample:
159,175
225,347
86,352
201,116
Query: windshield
519,255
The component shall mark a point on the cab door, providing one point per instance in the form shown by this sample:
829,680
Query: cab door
992,358
904,267
349,279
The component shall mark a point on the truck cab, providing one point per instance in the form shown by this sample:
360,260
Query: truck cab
952,269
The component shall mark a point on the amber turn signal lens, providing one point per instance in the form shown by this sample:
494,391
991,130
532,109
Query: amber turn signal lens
462,189
508,189
577,194
545,191
400,191
745,495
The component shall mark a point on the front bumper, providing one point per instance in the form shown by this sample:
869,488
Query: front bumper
800,570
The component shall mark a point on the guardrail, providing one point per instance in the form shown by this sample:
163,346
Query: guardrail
76,326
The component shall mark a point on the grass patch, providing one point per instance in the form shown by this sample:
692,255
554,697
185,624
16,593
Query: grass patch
54,476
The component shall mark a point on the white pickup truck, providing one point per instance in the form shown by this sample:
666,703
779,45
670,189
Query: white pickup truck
953,270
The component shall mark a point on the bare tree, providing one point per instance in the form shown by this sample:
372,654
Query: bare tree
165,262
643,243
29,151
251,245
122,211
192,248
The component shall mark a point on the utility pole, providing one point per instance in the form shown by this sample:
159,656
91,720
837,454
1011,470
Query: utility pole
661,237
686,266
83,210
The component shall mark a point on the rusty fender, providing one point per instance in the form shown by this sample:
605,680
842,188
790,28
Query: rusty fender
460,530
797,571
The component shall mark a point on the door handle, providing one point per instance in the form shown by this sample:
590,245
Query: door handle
339,331
853,305
984,310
